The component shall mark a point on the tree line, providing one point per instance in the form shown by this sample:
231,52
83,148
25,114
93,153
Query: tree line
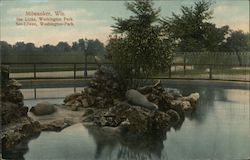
89,46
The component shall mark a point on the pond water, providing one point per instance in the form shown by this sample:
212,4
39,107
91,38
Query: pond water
218,129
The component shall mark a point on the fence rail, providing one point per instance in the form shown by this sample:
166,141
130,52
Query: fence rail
178,70
186,65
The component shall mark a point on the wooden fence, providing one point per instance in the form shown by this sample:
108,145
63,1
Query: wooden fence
187,65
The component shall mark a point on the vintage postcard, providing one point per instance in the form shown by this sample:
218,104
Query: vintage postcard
125,80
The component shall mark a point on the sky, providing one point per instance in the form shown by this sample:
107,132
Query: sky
93,19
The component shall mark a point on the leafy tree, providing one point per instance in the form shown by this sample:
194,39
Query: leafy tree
74,46
63,47
238,41
30,48
19,47
215,37
95,47
5,47
137,47
192,31
81,45
47,48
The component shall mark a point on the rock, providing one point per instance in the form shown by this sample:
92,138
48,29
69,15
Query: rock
71,97
136,98
186,106
193,98
56,125
85,103
88,111
14,84
90,100
24,129
43,108
12,112
173,92
89,118
133,119
75,106
13,95
103,121
69,103
143,121
174,116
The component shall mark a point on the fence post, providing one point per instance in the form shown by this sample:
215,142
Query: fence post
34,71
35,93
85,67
169,71
210,72
184,65
74,71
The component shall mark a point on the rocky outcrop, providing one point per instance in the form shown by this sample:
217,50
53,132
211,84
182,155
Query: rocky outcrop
26,128
12,108
144,110
14,133
104,88
16,124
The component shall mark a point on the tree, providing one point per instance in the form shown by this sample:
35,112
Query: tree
137,47
47,48
74,46
237,42
192,31
95,47
19,47
30,48
63,47
5,48
215,37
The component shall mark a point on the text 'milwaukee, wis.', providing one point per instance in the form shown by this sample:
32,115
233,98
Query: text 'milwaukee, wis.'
44,18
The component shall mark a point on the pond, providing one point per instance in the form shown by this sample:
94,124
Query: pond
218,129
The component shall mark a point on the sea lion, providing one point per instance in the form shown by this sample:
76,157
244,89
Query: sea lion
43,108
136,98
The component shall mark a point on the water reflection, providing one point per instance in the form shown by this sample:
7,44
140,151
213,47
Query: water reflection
132,147
208,96
219,128
20,150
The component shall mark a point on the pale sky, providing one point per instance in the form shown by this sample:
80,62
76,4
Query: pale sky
93,19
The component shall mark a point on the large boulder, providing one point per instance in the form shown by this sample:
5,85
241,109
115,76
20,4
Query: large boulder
43,108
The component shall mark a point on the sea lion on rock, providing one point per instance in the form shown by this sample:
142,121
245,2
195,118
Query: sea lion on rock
43,108
136,98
